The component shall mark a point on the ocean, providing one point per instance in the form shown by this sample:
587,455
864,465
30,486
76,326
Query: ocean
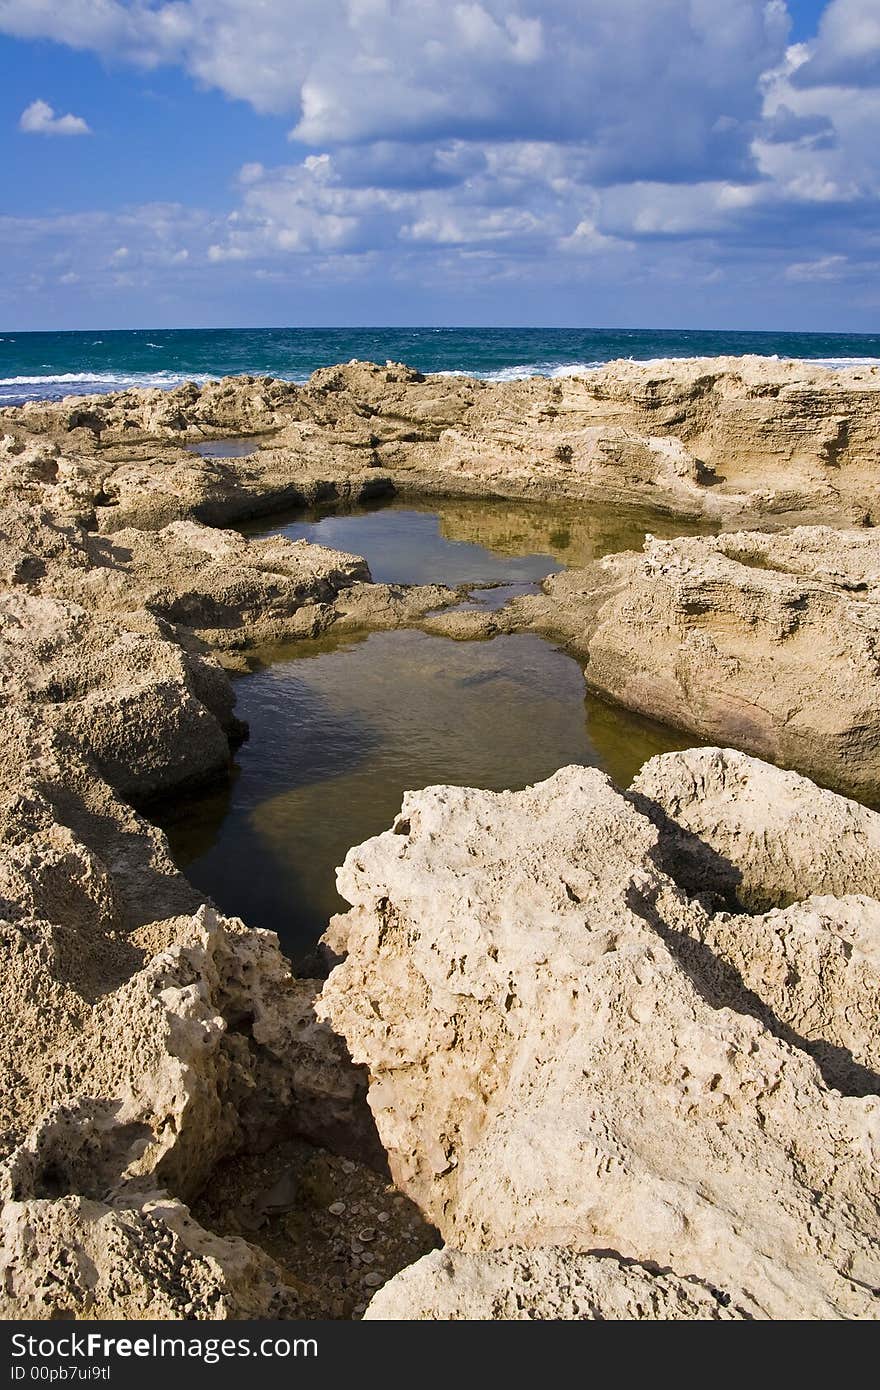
36,366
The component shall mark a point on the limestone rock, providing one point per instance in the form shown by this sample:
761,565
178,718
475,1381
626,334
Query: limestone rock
764,643
548,1284
73,1257
578,1039
761,836
733,826
546,1071
120,689
724,437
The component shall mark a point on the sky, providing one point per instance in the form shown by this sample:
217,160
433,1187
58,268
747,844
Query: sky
620,163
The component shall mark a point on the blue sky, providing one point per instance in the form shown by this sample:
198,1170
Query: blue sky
703,163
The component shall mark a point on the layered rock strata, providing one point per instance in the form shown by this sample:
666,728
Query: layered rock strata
722,437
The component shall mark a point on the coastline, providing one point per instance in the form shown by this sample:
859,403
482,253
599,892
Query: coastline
51,365
126,607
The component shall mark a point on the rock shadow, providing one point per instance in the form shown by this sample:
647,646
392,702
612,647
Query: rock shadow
722,986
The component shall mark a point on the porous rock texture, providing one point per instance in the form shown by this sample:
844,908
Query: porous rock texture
144,1037
588,1061
521,1285
759,836
136,1054
562,1052
725,437
765,642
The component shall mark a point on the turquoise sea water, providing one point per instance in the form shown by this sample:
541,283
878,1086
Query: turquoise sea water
51,365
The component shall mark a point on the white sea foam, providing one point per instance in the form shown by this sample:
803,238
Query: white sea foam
525,370
831,363
54,385
104,378
836,363
553,370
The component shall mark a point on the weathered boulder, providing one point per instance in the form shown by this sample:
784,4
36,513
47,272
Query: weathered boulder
761,642
113,639
120,687
548,1069
760,836
209,1048
73,1257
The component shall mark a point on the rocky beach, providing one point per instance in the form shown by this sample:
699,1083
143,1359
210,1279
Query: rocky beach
578,1051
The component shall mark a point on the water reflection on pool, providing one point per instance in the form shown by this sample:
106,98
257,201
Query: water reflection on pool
340,729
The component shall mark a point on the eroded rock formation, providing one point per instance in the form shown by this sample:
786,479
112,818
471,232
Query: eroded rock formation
623,1047
144,1036
563,1052
728,437
546,1283
764,642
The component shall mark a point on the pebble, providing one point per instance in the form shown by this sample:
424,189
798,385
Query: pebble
374,1279
367,1257
336,1208
281,1197
348,1166
367,1233
383,1216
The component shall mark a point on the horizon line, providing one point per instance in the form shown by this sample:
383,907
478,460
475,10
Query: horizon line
445,328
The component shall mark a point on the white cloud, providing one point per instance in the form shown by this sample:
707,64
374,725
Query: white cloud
841,168
40,119
665,87
676,210
471,142
847,49
825,268
587,240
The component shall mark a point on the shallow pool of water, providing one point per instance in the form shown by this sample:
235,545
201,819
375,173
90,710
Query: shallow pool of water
339,730
226,448
460,541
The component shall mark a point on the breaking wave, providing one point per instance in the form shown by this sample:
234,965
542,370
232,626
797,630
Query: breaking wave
16,390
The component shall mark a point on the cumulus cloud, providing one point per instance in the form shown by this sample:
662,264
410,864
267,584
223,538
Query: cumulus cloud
472,142
840,168
658,88
825,268
40,119
847,49
518,198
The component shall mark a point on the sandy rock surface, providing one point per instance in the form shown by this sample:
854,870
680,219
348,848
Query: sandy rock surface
638,1024
723,436
758,835
554,1283
764,642
561,1071
69,1256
